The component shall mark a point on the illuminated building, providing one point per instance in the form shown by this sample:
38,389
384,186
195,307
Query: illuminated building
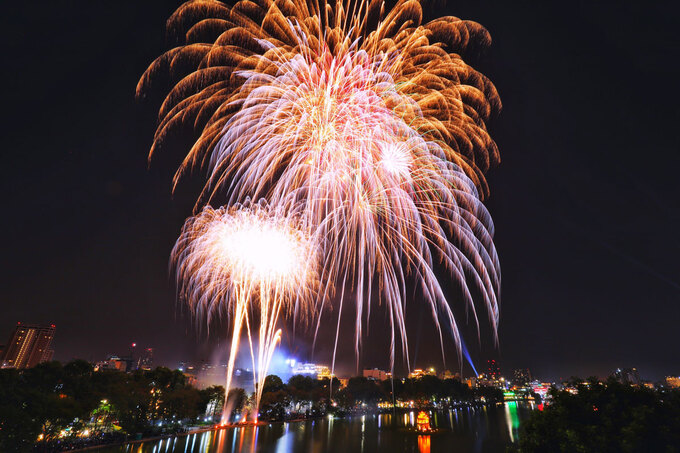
470,382
540,388
189,372
145,362
447,374
376,374
112,363
673,381
323,372
418,373
521,377
310,369
492,377
306,369
423,422
28,346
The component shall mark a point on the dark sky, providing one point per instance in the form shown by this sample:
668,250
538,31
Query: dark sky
586,201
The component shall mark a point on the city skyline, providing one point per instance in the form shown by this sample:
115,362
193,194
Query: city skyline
587,285
139,357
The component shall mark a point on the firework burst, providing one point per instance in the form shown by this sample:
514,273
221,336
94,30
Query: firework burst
245,262
365,122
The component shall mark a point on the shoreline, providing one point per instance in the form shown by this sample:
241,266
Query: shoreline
296,420
145,439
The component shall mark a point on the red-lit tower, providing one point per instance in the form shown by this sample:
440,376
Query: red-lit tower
493,371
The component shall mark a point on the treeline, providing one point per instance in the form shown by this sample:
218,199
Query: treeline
59,407
41,402
605,417
424,392
306,396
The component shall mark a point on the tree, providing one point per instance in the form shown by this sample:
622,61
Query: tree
456,390
237,399
18,428
300,389
609,417
362,390
272,383
49,398
275,398
181,403
212,400
429,388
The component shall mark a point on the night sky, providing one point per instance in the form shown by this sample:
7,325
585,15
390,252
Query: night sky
586,200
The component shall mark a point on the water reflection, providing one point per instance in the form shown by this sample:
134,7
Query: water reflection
512,419
423,444
463,430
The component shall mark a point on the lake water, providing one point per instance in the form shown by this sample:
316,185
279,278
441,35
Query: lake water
466,430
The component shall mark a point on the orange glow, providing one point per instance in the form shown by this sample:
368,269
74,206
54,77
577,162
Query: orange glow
220,441
424,444
423,423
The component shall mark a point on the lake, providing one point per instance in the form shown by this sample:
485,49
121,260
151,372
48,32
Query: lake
464,430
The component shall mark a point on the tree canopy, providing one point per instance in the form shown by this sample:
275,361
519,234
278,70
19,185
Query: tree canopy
605,417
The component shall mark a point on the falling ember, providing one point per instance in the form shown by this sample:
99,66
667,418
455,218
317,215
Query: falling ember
239,261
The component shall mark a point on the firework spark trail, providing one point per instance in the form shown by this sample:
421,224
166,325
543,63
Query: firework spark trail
228,260
367,122
379,194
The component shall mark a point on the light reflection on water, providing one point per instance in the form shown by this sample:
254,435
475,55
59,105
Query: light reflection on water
464,430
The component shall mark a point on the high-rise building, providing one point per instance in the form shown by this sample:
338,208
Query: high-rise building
521,377
146,360
493,371
28,346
